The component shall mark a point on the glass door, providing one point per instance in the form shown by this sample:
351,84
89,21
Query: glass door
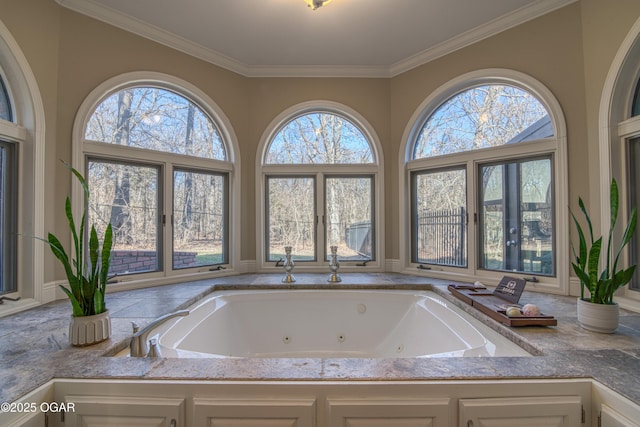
516,216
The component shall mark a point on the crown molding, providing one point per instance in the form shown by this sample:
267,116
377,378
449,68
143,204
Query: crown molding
505,22
151,32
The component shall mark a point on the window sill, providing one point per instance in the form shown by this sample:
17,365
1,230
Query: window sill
12,307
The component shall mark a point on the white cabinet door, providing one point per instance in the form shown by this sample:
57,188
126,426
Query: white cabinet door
107,411
609,417
391,412
283,412
36,419
551,411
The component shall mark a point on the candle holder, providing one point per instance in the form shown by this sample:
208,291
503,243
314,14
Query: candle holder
288,266
334,265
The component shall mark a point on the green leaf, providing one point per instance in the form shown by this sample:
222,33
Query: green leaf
586,215
592,266
75,305
107,243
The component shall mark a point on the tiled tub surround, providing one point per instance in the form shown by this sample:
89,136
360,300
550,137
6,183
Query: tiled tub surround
34,347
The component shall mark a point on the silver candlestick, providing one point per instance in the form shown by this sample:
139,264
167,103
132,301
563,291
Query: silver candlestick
334,265
288,266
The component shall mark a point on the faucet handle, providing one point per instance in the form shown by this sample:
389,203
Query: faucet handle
154,348
135,326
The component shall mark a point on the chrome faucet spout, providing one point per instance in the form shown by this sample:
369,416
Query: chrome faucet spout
139,346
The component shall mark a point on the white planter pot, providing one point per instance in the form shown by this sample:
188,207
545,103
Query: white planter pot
601,318
88,330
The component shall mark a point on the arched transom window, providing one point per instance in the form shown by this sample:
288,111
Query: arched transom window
320,176
158,169
482,170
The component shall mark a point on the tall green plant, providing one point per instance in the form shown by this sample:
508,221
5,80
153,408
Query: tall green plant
87,280
602,285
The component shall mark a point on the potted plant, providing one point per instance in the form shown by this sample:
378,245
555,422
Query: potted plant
598,312
90,321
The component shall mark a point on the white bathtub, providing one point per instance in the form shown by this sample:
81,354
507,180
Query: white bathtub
329,323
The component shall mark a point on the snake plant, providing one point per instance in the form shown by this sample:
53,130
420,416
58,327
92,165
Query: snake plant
602,284
87,280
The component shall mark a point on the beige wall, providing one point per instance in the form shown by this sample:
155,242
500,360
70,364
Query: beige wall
570,51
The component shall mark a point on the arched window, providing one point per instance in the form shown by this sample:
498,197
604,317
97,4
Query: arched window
633,163
620,147
22,185
320,176
482,170
8,193
158,166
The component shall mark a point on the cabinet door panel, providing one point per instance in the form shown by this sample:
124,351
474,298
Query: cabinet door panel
392,412
612,418
103,411
213,412
553,411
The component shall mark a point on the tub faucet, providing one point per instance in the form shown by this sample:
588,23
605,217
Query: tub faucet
139,346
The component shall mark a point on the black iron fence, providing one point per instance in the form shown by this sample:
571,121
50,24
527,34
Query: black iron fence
441,237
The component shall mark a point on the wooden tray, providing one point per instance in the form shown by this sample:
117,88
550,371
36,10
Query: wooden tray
495,307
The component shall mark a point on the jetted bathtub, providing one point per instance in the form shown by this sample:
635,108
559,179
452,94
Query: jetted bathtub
329,323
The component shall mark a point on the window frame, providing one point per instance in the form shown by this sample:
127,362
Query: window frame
166,162
320,171
27,131
9,214
617,126
472,160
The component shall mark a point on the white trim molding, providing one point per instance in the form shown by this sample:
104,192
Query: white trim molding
30,131
615,127
141,28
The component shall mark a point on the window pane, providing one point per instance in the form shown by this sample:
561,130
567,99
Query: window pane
348,218
634,199
155,119
635,108
482,117
291,217
7,217
5,105
319,138
516,207
199,219
439,217
126,196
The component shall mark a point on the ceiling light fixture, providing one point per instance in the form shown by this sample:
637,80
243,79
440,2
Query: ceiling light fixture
315,4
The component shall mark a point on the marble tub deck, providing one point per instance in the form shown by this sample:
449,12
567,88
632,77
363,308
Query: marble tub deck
34,345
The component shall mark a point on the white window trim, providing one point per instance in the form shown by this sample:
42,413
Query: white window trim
29,131
83,148
376,169
557,145
615,129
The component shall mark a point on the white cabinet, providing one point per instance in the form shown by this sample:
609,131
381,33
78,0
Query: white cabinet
609,417
36,419
281,412
385,412
550,411
130,411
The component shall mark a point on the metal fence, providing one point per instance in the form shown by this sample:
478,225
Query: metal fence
441,237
